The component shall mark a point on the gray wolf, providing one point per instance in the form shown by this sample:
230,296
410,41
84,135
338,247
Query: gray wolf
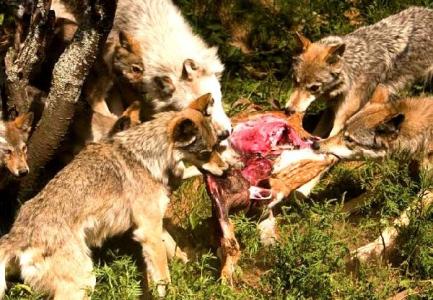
13,144
345,70
109,187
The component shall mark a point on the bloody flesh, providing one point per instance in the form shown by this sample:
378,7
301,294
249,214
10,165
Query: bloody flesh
258,141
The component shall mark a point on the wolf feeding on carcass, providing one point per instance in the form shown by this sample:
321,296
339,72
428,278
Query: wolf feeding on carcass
270,156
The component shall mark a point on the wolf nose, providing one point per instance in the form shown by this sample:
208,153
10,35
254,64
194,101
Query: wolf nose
23,172
289,110
223,135
315,145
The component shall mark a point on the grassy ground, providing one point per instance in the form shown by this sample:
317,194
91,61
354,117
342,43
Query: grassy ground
311,259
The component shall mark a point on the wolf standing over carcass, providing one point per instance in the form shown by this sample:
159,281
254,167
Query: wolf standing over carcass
345,70
178,65
118,184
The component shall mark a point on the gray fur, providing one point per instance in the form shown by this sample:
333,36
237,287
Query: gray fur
109,187
395,52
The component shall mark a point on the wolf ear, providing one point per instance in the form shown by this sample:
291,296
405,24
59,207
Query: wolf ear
24,122
189,68
202,103
165,85
380,94
184,132
123,123
133,113
303,42
128,43
335,52
391,125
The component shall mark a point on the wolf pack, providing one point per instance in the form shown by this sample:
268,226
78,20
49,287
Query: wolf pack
137,151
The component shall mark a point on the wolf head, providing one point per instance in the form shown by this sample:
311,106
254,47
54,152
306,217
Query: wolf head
194,136
317,71
127,63
169,82
372,132
177,91
13,149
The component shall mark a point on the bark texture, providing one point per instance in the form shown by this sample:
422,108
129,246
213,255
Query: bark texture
68,77
23,61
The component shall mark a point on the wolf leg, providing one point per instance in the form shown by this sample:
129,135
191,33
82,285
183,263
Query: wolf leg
325,123
149,235
67,274
347,108
173,250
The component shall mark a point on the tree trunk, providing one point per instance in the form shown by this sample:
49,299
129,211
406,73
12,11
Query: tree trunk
22,64
68,77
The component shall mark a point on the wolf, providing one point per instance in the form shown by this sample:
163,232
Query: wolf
345,70
109,187
380,128
179,66
383,127
13,144
124,71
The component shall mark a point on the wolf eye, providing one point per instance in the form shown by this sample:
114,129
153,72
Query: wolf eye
315,87
24,149
348,139
7,151
136,69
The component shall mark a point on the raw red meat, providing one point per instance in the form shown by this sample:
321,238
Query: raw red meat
265,135
259,141
256,170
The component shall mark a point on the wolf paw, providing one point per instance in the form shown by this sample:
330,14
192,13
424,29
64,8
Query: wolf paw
181,255
161,289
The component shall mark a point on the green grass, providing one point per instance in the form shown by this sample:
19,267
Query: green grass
310,259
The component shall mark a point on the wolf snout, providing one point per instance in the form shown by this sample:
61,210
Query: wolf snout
22,172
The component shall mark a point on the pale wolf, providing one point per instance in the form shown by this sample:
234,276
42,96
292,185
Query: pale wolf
109,187
13,144
178,65
346,69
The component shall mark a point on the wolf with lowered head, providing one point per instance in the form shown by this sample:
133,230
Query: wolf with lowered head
382,127
344,70
120,183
